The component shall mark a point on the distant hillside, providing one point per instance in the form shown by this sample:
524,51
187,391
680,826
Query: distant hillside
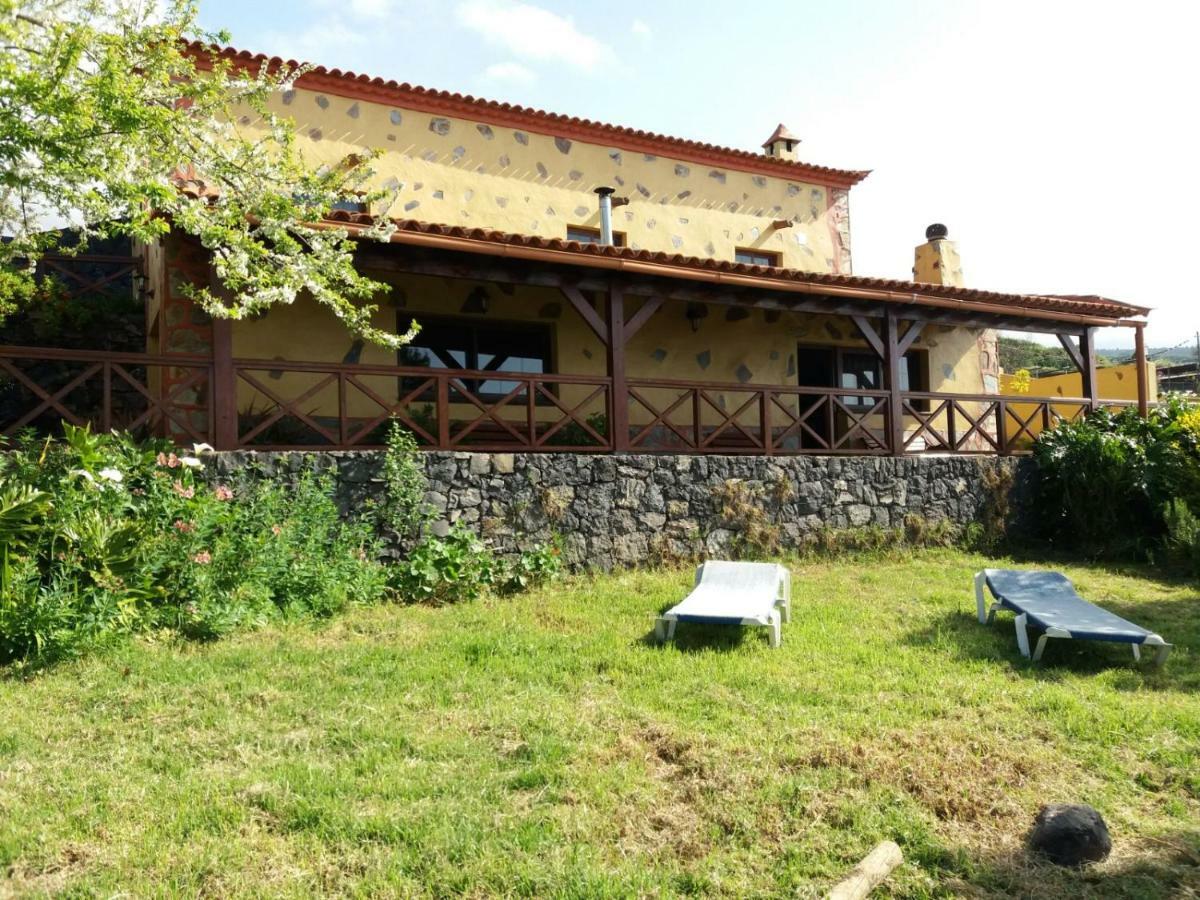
1016,353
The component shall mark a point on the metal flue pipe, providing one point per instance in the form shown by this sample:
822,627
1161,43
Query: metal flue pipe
606,232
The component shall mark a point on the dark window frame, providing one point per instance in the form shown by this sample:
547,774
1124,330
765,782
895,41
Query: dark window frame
490,390
775,257
914,376
593,235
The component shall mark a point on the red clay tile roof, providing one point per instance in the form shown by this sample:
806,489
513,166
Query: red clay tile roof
407,96
409,230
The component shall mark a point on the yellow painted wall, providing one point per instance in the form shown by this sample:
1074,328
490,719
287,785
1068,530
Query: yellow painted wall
459,172
1114,383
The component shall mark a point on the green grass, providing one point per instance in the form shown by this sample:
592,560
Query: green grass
544,745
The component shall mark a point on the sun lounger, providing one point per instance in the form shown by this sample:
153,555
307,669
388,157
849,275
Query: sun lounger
733,593
1048,601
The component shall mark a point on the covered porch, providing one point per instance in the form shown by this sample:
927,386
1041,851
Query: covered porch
539,345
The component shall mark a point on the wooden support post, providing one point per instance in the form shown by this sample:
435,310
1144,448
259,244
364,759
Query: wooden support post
1087,353
1143,389
619,423
892,360
224,386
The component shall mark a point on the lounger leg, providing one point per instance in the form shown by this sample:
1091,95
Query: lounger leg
786,604
980,603
1022,635
664,629
1041,645
1137,652
1161,648
776,631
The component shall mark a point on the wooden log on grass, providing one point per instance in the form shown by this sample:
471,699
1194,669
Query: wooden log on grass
868,874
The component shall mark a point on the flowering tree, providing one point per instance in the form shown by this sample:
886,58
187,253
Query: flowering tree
100,103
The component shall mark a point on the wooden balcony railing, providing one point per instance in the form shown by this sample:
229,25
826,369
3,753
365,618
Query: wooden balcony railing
295,405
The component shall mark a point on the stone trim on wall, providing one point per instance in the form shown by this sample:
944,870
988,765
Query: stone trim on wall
614,511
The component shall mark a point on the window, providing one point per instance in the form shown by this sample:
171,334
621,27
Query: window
858,370
585,235
482,345
756,257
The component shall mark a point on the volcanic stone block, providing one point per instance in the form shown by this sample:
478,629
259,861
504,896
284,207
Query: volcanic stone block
1070,835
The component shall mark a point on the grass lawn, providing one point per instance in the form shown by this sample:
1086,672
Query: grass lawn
544,745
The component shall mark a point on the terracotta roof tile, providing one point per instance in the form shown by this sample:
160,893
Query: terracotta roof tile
1100,307
406,95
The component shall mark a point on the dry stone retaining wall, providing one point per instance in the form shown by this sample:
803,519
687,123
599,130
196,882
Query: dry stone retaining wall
613,511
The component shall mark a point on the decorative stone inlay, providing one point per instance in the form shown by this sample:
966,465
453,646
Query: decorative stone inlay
615,156
439,126
315,134
759,181
352,112
458,152
642,189
742,373
395,117
676,241
704,359
411,205
659,355
682,171
581,211
563,144
288,96
718,175
504,161
542,171
502,202
521,138
486,131
322,101
574,175
649,157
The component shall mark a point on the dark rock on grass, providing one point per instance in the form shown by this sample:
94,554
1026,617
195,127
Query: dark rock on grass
1070,835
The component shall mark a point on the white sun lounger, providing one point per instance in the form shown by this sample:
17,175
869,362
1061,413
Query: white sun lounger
1048,601
734,593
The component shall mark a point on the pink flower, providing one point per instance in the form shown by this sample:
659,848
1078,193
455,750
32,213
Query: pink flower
276,530
170,460
184,527
223,493
187,493
161,459
138,492
202,558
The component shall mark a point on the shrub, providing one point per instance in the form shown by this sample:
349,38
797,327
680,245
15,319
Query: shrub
1104,480
1182,540
403,510
101,537
447,569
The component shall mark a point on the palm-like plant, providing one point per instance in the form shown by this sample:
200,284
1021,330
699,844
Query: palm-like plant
22,509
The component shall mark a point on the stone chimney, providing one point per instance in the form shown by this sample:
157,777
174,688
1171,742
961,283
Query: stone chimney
937,260
782,143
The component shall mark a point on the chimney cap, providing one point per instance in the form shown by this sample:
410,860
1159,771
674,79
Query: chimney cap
936,232
604,191
781,133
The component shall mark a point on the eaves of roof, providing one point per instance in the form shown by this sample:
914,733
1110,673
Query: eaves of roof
407,96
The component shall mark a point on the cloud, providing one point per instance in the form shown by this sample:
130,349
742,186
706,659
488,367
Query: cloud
360,9
328,42
641,30
509,73
532,33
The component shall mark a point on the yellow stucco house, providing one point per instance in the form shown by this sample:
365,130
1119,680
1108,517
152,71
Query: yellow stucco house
581,285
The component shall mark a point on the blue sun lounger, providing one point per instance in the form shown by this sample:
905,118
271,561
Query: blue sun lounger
1048,601
733,593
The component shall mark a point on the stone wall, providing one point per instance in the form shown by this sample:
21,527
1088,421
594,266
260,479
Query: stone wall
625,510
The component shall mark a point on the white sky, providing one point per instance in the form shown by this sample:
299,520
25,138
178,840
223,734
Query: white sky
1056,139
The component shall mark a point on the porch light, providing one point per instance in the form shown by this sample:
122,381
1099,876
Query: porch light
694,313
